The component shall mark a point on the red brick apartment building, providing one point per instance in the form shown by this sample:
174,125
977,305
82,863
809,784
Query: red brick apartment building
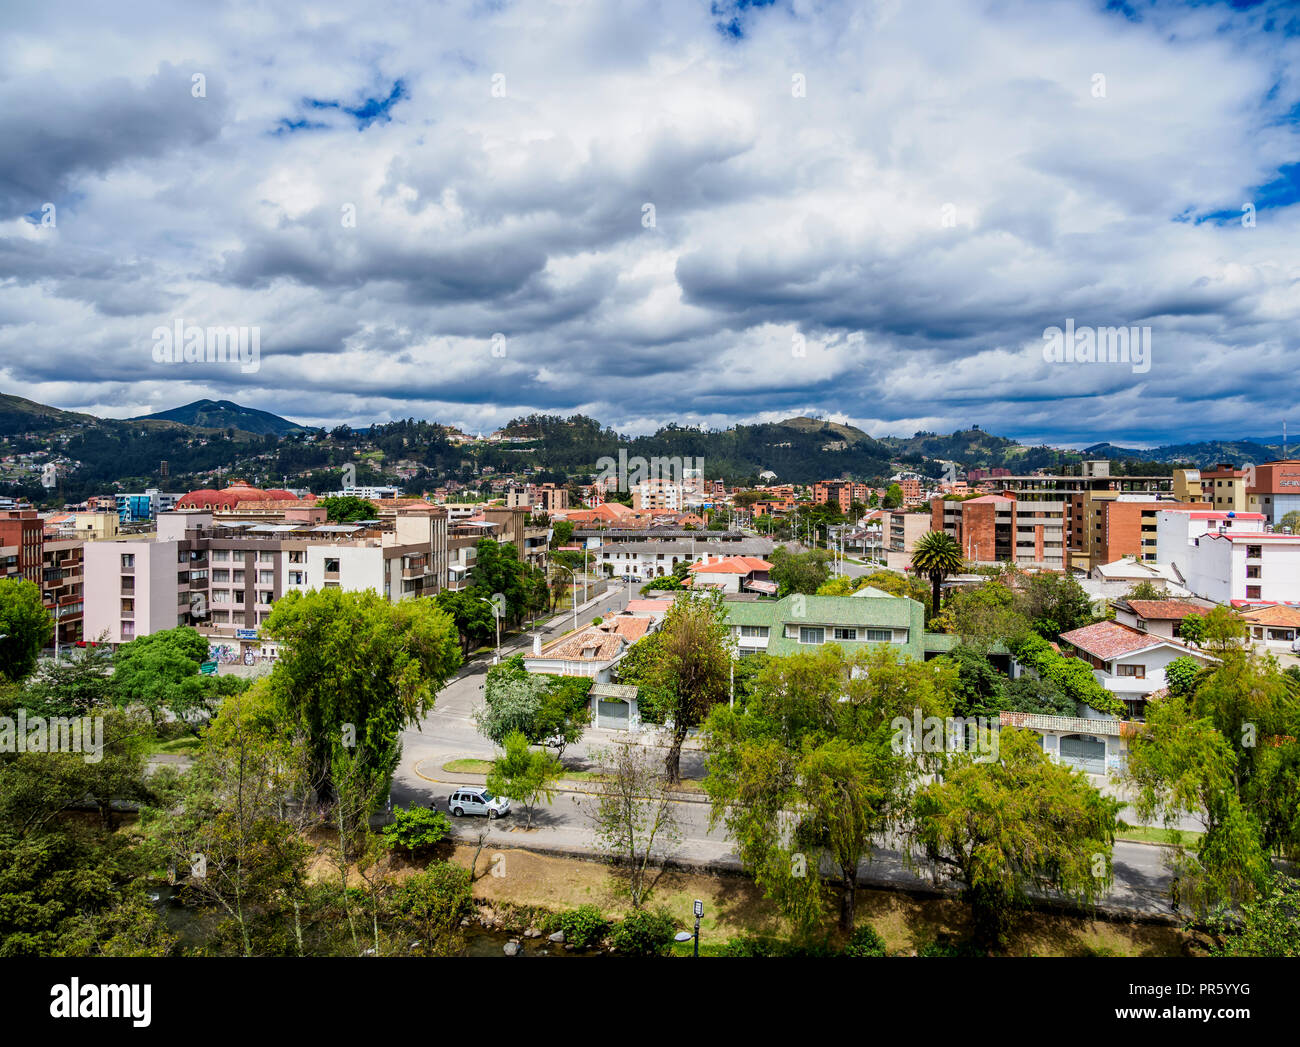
22,535
840,492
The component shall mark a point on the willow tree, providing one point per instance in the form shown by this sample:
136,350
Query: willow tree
692,671
354,671
1006,829
807,775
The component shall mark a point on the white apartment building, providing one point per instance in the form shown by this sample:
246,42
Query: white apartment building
370,494
658,494
224,577
1230,557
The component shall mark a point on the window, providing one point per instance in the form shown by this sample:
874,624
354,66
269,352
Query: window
753,630
1253,552
266,577
812,634
1139,671
331,565
237,577
221,575
220,555
846,634
295,578
128,559
1252,592
1252,570
880,635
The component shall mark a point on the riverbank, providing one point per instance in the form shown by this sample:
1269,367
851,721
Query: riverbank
522,882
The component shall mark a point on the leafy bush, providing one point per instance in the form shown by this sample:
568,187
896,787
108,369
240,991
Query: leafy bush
757,945
1073,676
865,942
945,946
643,933
416,827
1180,674
583,927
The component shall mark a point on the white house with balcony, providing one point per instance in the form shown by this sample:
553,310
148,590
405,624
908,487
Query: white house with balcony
1129,663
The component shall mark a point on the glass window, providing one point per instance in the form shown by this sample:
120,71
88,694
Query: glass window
846,634
812,634
880,635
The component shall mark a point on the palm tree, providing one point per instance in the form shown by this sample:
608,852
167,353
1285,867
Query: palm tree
937,555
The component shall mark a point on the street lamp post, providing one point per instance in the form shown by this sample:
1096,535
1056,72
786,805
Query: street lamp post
575,592
686,936
496,615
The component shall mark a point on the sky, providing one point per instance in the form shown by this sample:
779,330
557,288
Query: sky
662,211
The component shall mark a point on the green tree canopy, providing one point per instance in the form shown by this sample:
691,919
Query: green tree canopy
355,670
936,555
799,572
347,508
807,772
25,625
1007,828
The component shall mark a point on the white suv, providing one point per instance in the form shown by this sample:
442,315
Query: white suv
477,801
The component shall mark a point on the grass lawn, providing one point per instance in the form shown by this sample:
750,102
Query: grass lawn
1145,834
473,766
734,907
184,744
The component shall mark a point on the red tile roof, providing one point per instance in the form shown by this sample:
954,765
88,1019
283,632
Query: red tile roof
732,565
1278,615
1107,640
1175,609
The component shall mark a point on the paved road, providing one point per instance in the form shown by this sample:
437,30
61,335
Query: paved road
1140,880
448,733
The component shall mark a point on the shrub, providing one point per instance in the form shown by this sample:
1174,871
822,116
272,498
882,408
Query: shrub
643,933
945,946
865,942
415,827
583,926
757,945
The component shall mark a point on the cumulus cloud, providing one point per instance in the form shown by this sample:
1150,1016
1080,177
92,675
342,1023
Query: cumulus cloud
653,212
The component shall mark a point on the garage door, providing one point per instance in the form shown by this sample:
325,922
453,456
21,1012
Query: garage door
612,715
1087,754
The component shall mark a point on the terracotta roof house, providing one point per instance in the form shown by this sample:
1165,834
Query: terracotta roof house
1276,626
1159,617
1127,662
592,651
733,574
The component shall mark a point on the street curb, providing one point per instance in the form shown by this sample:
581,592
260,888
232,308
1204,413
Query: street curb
576,786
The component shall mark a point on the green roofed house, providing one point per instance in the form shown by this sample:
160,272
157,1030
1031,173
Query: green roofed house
869,616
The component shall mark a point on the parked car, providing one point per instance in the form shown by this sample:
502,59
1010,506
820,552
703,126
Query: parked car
477,801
